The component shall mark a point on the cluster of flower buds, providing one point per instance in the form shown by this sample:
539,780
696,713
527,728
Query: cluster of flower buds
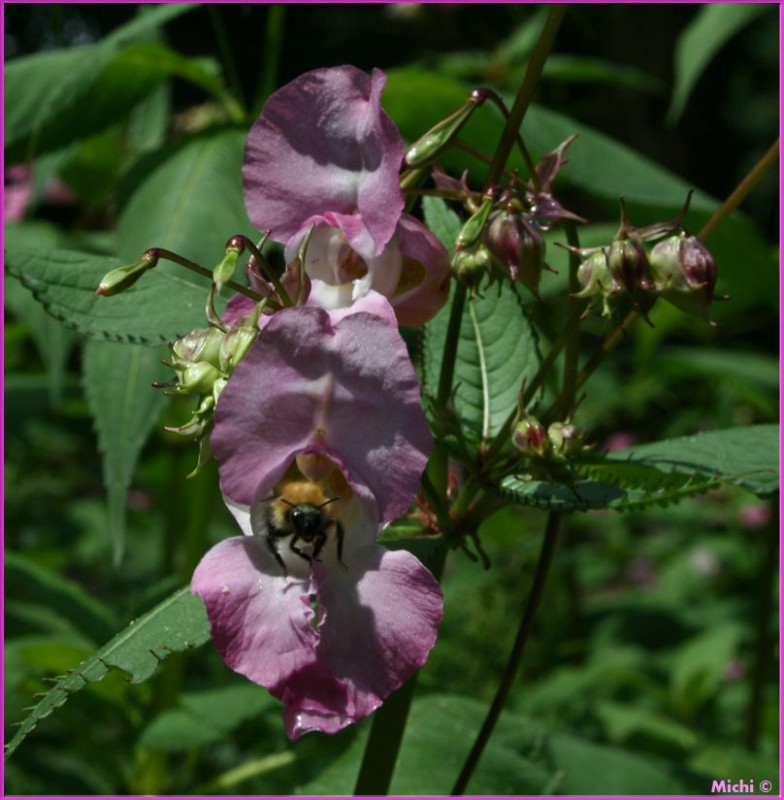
679,268
502,238
547,452
203,362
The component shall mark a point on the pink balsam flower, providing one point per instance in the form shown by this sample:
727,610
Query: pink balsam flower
324,154
321,419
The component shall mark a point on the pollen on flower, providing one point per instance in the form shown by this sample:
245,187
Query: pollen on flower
225,589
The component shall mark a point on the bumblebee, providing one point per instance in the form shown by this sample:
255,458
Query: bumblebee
302,513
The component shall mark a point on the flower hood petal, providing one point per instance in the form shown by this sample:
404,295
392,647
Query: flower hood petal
342,386
323,144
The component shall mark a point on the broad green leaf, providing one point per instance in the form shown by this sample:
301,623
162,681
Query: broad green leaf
699,667
438,737
178,623
644,728
660,473
589,768
125,408
598,164
754,368
496,352
747,456
187,198
64,281
42,88
206,717
497,345
53,342
713,25
577,69
26,582
442,221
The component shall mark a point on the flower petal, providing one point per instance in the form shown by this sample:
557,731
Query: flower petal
424,286
344,387
323,144
387,606
261,620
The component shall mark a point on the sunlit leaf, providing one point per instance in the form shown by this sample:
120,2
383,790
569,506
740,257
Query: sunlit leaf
178,623
125,408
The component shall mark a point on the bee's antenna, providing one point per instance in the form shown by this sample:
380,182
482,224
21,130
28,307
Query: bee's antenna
327,502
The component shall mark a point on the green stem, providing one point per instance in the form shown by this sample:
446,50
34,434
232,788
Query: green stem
169,255
235,101
271,49
389,722
525,93
515,656
742,190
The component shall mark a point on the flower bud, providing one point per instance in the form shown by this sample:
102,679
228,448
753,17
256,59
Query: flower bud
118,280
472,230
565,438
224,272
201,344
517,245
471,265
235,345
684,271
628,264
441,135
530,436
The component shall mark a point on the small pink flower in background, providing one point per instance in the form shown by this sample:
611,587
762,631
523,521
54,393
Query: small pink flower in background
323,153
338,388
17,191
755,515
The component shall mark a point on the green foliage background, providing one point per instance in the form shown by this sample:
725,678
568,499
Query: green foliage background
651,664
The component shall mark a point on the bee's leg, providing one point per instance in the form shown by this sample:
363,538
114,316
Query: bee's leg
274,551
300,553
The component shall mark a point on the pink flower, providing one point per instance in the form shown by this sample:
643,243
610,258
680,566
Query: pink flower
323,153
336,389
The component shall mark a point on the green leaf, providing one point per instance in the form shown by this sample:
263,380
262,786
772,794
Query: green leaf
54,344
186,197
117,380
45,88
581,69
443,222
713,25
590,768
206,717
497,346
64,281
598,164
660,473
178,623
699,667
747,456
438,737
26,582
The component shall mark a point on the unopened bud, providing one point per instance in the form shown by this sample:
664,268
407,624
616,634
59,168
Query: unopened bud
628,263
235,346
471,265
684,271
201,344
472,230
517,245
530,436
118,280
224,272
441,135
